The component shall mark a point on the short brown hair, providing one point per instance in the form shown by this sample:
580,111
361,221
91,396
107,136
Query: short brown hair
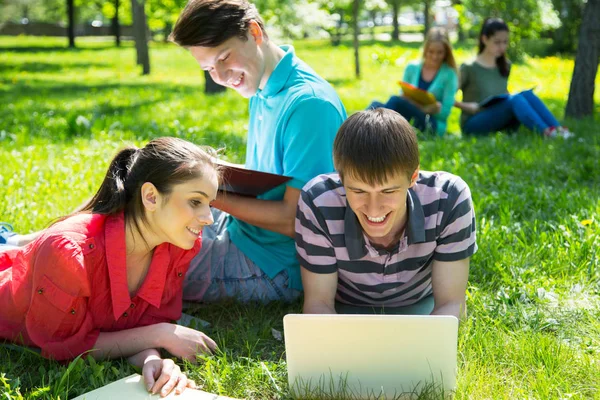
375,145
209,23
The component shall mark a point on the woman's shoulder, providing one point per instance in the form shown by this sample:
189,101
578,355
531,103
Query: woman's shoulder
467,65
413,66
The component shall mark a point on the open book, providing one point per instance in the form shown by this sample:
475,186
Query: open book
247,182
492,100
132,388
420,96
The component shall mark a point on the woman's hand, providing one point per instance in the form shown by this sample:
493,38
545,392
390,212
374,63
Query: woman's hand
185,342
163,375
432,109
470,107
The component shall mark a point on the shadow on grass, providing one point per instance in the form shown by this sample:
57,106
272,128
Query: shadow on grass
80,109
44,67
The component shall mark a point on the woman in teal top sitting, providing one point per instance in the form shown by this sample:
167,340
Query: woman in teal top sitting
436,73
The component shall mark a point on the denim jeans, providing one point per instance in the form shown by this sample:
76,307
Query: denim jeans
522,108
420,120
220,271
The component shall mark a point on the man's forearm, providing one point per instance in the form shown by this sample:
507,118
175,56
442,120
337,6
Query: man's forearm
318,308
273,215
457,309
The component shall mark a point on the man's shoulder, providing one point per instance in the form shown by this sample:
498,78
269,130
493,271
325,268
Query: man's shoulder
305,85
435,185
325,189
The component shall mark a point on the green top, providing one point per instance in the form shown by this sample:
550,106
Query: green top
478,83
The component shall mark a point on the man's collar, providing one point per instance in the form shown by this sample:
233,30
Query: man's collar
280,74
353,232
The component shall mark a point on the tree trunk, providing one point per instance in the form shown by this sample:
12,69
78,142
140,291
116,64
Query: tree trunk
210,86
140,32
116,27
71,19
426,20
355,13
395,23
373,15
581,93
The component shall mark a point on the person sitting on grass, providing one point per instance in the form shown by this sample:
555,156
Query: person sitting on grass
108,279
487,76
436,73
380,235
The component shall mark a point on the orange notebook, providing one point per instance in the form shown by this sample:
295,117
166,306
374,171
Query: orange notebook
247,182
420,96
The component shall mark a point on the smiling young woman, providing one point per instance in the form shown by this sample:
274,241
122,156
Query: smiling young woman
108,279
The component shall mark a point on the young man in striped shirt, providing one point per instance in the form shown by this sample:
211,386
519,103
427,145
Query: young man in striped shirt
380,235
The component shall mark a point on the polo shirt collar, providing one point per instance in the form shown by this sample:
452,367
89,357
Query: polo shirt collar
355,241
280,74
152,288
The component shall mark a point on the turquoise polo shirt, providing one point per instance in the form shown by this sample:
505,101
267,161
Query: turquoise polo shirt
293,122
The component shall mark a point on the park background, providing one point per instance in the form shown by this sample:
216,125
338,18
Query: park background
72,93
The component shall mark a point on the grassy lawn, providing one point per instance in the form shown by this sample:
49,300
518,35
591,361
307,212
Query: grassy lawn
533,330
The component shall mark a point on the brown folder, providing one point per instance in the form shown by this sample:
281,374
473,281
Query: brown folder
248,182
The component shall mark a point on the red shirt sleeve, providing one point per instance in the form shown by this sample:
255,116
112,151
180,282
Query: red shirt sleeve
57,319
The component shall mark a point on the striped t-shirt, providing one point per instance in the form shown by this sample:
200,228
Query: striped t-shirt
329,238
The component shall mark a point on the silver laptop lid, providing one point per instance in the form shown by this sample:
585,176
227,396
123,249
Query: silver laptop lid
370,356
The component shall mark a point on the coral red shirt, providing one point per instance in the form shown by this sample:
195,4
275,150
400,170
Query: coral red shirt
60,291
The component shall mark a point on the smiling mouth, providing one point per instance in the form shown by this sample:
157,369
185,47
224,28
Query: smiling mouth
377,220
194,231
238,81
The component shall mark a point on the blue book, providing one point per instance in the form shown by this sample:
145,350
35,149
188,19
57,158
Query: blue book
492,100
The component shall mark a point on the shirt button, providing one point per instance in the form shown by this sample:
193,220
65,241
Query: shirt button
40,291
125,314
91,246
73,311
131,305
180,274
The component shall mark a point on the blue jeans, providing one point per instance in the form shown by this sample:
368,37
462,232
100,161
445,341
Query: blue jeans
522,108
408,110
220,271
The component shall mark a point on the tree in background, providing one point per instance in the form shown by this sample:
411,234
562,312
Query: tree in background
140,31
71,24
522,16
581,93
564,38
395,6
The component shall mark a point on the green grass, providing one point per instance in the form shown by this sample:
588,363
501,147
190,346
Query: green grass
533,330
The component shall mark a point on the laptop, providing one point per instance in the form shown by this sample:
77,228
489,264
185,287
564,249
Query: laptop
370,356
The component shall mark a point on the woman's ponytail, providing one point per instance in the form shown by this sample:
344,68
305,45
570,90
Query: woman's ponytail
112,195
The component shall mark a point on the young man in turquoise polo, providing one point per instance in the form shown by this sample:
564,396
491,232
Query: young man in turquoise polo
249,253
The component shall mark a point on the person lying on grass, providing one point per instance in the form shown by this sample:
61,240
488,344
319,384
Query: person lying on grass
108,279
380,235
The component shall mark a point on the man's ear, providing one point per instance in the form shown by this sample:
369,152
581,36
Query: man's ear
415,176
256,32
150,196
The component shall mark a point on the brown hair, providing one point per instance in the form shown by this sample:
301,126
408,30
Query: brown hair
440,35
164,162
209,23
488,29
375,145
